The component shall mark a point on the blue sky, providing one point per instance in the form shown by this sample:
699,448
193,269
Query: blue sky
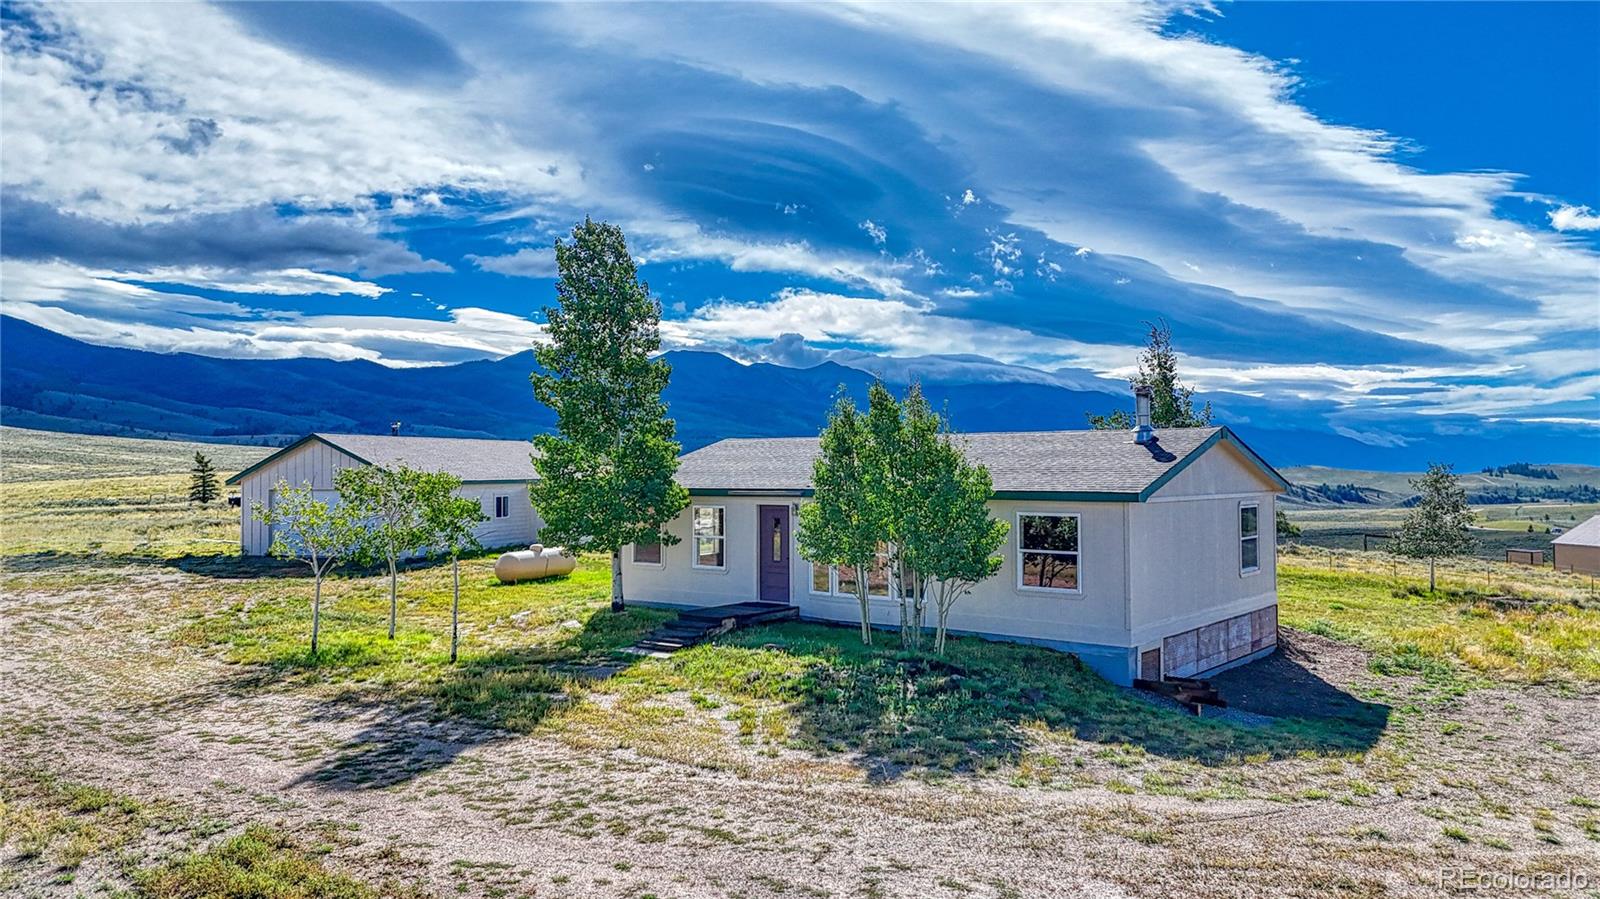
1384,212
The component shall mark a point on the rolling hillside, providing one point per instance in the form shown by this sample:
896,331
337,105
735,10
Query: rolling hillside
1320,486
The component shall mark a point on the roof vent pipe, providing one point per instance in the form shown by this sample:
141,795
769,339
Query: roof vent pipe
1143,433
394,429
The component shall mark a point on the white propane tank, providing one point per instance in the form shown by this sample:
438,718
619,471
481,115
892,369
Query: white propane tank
533,563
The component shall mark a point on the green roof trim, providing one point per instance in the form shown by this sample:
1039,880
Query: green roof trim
239,478
1223,435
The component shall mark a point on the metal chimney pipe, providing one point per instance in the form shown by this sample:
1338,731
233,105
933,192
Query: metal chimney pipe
1143,433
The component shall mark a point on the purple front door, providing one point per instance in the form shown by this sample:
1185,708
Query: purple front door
772,537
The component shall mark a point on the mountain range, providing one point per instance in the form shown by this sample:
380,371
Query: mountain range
53,382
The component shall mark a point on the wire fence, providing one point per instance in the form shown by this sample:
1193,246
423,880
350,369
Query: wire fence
1542,582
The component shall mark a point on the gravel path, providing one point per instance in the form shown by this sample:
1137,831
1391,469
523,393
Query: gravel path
93,692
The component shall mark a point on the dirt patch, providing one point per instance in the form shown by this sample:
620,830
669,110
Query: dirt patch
1310,676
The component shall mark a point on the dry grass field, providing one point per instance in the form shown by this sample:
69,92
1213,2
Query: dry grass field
164,733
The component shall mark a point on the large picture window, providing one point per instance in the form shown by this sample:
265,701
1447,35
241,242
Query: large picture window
1047,550
709,539
1249,538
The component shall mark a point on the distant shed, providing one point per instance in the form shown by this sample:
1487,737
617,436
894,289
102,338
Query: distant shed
493,472
1579,548
1525,556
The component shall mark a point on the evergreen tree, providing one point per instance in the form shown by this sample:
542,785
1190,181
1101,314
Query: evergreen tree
1286,528
203,481
1171,403
1437,526
606,475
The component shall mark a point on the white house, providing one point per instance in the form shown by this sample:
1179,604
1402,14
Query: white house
1143,558
495,472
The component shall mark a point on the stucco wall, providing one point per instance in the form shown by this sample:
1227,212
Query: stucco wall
521,527
677,582
316,463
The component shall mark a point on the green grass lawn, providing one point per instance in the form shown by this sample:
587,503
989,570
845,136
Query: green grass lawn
794,686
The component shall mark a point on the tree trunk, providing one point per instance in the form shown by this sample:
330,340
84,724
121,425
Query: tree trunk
455,606
866,611
944,619
617,602
316,608
393,607
908,607
1431,580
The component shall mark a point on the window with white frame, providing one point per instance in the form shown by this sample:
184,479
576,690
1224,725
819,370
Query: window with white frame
709,538
502,507
841,580
1249,538
1047,552
647,553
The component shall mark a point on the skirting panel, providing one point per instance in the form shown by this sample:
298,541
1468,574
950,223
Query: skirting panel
1214,645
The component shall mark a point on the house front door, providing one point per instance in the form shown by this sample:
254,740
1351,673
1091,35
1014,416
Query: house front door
773,551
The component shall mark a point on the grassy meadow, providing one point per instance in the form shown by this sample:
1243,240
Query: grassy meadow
88,495
28,455
1497,528
1487,619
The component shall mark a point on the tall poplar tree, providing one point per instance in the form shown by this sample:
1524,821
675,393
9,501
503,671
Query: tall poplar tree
946,538
606,474
846,522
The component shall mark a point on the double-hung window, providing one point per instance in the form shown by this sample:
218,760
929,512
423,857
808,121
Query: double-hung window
709,538
1249,538
1047,551
502,507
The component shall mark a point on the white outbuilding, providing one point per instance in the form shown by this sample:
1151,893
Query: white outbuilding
495,472
1146,555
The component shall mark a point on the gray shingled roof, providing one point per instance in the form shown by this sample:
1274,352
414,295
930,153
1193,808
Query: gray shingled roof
469,459
1585,534
1019,461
